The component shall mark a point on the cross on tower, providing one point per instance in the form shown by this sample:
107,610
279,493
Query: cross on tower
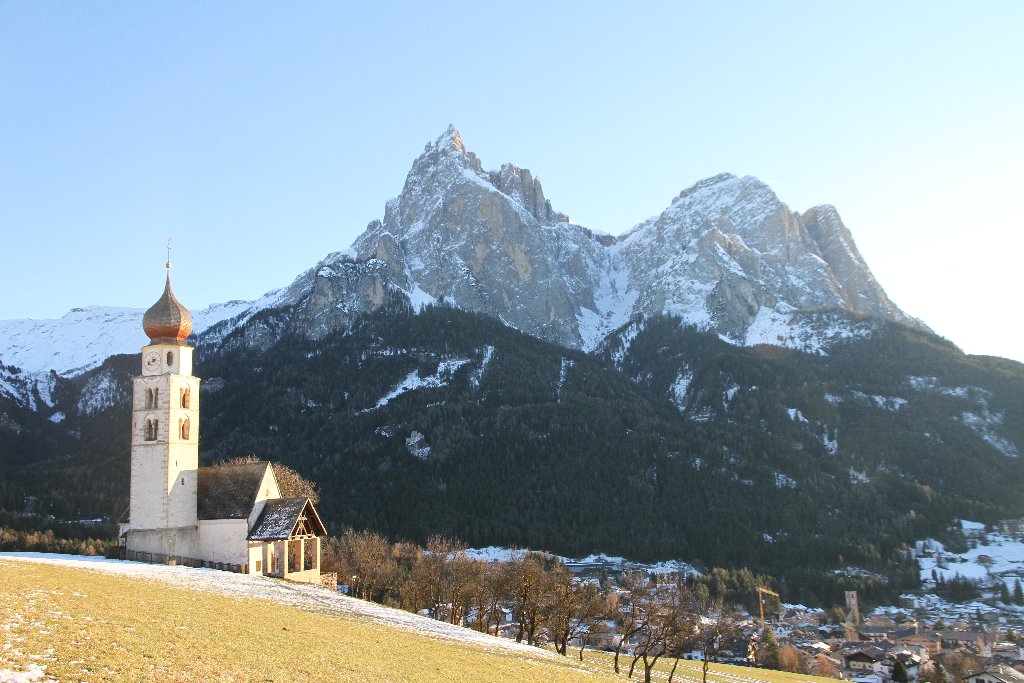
168,253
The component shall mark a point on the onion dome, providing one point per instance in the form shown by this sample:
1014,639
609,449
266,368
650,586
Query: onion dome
167,321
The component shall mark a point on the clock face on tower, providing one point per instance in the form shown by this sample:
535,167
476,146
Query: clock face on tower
152,362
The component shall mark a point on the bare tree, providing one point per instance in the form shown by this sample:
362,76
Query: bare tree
494,592
791,660
527,594
445,578
824,667
629,618
715,624
367,561
571,608
561,596
595,609
665,610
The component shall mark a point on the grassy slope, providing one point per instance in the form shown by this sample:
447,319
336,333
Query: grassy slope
88,626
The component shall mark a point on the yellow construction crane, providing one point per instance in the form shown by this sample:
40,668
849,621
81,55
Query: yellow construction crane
760,601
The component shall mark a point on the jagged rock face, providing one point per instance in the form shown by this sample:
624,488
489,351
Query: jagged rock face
861,292
487,242
726,255
727,250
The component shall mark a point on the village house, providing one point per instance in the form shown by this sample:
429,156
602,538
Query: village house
866,661
975,641
226,516
996,674
928,642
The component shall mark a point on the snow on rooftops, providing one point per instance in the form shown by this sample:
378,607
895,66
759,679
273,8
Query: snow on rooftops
280,517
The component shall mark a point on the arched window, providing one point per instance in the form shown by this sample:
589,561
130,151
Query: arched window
170,358
151,428
183,429
186,397
150,399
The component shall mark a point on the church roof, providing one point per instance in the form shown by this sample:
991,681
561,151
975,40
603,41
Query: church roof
167,321
283,517
229,491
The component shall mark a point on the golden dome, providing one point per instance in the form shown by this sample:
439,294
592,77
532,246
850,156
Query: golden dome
167,321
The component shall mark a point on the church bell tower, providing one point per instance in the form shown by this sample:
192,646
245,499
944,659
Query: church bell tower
162,514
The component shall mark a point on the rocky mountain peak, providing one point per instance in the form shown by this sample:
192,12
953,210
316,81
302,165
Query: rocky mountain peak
450,139
726,255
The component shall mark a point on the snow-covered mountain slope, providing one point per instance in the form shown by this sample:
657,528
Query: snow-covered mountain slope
488,242
79,341
727,253
727,256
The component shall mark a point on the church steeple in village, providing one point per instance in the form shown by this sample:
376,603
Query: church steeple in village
165,431
229,516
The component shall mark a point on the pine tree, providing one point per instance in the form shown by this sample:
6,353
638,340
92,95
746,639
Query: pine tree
768,651
899,673
1004,593
1018,594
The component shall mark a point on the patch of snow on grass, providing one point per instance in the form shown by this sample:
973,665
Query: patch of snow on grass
795,415
997,554
298,595
33,673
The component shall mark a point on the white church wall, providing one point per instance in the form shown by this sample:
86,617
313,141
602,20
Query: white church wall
224,540
182,542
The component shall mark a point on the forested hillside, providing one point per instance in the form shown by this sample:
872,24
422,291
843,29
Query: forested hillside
668,443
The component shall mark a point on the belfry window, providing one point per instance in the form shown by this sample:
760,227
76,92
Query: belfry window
170,358
183,429
151,429
151,398
186,397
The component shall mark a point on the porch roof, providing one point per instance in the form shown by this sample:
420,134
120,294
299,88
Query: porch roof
281,518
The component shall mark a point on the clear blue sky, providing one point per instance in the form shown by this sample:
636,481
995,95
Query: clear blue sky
264,135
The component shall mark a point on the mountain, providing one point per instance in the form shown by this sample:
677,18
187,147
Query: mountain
725,382
726,256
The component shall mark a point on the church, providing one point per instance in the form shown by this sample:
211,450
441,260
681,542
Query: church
229,516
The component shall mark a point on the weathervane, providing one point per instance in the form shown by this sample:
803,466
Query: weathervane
168,253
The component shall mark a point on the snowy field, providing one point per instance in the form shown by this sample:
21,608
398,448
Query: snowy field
994,554
301,596
991,557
